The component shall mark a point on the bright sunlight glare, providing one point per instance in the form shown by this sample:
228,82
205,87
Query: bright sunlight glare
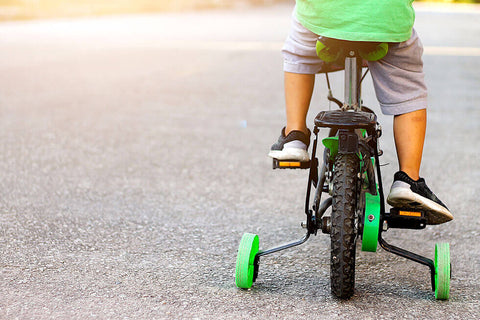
28,9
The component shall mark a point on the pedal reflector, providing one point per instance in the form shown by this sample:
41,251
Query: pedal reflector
290,164
405,218
410,213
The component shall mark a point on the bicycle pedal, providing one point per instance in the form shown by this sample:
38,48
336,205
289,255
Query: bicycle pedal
290,164
403,218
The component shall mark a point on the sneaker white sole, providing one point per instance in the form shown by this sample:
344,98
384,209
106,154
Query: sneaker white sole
406,198
290,154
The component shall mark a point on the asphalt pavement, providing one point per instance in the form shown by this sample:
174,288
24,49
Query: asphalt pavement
134,156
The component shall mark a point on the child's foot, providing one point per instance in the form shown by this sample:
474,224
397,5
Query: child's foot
407,193
291,147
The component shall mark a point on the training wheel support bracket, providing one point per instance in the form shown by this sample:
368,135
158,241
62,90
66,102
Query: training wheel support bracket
411,256
406,219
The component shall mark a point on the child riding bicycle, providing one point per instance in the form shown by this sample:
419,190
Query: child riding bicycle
398,80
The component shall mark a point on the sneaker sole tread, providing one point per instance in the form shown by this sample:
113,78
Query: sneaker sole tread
404,198
290,154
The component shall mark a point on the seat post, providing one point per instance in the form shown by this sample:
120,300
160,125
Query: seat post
352,79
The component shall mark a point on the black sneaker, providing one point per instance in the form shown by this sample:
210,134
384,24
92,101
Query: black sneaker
291,147
409,194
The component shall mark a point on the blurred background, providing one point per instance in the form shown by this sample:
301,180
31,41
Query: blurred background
33,9
28,9
133,156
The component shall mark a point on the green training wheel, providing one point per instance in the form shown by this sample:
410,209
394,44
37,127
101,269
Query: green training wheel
245,269
442,271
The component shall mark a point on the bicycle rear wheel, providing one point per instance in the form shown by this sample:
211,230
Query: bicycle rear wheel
343,229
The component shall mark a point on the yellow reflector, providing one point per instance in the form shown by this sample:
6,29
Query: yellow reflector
289,164
410,213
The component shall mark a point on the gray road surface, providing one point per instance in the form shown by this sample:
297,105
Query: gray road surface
133,158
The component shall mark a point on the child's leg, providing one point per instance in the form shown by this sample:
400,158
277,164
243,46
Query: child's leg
300,66
409,132
298,93
400,86
295,137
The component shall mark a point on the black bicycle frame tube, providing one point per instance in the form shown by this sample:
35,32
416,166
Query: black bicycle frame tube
380,183
313,163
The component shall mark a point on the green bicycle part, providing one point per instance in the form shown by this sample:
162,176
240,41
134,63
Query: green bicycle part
378,53
245,268
442,271
331,143
371,225
327,54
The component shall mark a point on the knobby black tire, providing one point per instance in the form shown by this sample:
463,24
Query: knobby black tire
343,233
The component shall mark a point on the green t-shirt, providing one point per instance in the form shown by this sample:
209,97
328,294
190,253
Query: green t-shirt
358,20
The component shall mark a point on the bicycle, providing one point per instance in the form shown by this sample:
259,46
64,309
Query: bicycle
350,173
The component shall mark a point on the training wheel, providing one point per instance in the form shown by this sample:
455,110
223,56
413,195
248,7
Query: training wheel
442,271
245,268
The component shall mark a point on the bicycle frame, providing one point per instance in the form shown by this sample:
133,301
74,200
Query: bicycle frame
353,101
353,130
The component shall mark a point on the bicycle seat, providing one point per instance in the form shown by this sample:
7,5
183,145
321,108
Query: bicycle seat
332,50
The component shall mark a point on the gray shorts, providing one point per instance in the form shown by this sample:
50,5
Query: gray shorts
398,78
